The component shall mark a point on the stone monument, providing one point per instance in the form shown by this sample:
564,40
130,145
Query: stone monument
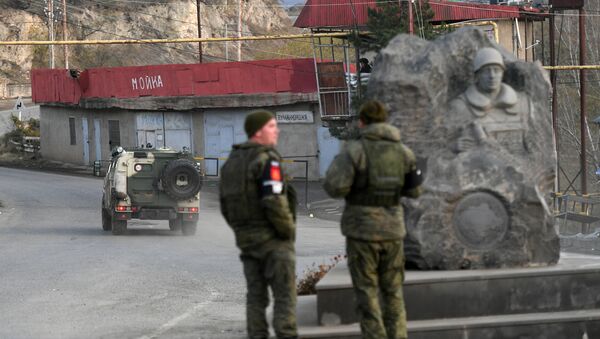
480,120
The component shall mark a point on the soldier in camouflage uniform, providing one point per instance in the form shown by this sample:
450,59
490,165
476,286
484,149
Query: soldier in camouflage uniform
259,206
372,173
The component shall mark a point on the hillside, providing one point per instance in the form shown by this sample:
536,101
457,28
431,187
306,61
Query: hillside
140,19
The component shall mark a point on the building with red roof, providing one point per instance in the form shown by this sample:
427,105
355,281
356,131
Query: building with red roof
511,26
83,115
349,14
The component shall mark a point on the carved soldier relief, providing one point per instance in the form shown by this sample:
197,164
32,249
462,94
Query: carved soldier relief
478,118
497,112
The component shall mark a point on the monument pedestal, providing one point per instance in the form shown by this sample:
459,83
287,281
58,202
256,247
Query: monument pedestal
561,301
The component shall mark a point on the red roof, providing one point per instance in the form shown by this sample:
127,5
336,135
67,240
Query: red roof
350,13
223,78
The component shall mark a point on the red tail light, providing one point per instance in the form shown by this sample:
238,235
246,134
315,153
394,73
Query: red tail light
180,209
121,208
193,209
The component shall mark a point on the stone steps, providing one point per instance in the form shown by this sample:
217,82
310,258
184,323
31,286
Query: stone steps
561,301
546,325
572,284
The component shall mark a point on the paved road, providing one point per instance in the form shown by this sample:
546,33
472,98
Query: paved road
63,277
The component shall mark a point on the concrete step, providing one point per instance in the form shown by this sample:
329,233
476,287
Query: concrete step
584,324
571,285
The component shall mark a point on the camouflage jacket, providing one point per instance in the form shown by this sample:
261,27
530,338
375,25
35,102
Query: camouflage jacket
370,223
254,196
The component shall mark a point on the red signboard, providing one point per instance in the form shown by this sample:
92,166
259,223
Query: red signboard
221,78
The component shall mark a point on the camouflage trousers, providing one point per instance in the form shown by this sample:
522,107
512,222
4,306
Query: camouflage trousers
377,269
272,265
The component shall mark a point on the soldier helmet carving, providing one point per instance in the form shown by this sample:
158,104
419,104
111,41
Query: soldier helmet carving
487,56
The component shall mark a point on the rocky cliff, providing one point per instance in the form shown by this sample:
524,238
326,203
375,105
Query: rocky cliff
141,19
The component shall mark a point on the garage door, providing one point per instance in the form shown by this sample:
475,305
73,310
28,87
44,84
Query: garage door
167,129
222,129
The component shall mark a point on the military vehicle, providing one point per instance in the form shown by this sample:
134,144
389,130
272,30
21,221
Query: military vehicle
154,184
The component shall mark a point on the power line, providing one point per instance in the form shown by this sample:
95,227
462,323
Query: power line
362,3
190,52
160,48
174,48
158,16
389,1
215,58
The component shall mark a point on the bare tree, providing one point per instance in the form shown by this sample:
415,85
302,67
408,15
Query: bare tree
568,90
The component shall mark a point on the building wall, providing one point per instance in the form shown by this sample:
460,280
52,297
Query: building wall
55,133
298,141
171,129
198,132
507,32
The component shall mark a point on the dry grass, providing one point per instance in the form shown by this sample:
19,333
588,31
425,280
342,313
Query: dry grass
313,274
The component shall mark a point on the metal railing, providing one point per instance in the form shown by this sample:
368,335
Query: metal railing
285,160
97,169
305,178
27,144
576,208
100,164
205,167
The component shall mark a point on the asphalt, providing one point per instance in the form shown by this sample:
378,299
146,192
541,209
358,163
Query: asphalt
313,201
63,277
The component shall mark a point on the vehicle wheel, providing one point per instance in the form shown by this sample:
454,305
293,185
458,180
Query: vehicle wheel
181,180
175,224
119,226
106,222
189,227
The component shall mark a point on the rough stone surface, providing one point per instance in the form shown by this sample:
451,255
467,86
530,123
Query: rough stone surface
486,206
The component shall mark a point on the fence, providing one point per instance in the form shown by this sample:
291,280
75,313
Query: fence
98,167
27,144
578,209
100,164
285,160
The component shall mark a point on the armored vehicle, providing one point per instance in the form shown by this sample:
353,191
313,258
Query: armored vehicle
155,184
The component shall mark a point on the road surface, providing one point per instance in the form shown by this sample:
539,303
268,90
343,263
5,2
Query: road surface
63,277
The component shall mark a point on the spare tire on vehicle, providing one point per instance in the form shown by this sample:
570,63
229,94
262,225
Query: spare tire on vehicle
181,180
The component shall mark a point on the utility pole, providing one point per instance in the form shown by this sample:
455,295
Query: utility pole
583,110
411,29
65,37
239,31
226,42
199,31
51,30
552,38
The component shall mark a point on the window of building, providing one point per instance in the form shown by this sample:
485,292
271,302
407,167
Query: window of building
114,134
72,131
